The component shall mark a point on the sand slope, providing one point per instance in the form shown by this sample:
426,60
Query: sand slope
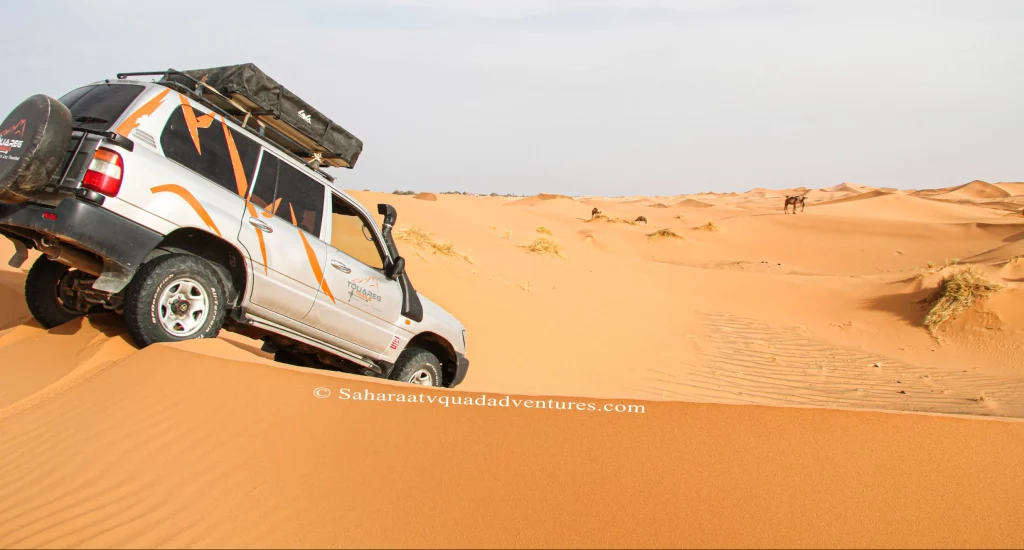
169,448
210,443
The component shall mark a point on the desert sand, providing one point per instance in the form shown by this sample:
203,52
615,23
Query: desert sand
774,355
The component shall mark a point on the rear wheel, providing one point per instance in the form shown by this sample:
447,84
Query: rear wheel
418,366
172,298
50,293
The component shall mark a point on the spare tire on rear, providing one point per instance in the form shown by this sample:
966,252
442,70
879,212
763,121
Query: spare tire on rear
33,143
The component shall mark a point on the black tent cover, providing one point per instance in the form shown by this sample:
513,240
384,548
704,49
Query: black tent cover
248,81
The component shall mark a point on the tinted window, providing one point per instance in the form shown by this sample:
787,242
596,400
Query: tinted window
212,157
97,107
293,196
347,235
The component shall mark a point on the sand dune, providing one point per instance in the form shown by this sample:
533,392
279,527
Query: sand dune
210,443
857,197
425,196
537,199
879,204
1014,188
847,187
692,203
974,191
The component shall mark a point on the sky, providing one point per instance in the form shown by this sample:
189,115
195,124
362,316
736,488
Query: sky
590,97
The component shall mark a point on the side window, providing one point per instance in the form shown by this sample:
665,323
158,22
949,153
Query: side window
289,194
205,148
347,235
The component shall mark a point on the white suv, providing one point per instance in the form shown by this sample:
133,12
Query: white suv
197,202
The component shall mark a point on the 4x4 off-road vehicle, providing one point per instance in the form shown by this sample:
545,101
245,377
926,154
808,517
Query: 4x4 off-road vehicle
197,200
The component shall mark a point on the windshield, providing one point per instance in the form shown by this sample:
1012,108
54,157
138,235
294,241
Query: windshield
97,107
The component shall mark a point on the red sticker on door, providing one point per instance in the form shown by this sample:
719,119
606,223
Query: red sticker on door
394,342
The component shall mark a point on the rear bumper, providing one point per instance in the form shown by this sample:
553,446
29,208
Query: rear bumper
84,225
461,366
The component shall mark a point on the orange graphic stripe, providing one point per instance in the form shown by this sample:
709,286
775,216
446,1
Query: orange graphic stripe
191,200
190,121
236,161
259,236
132,122
204,121
273,209
314,262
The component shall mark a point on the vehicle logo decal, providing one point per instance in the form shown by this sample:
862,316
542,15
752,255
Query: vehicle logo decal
306,117
394,342
314,262
259,236
7,143
133,121
191,200
366,289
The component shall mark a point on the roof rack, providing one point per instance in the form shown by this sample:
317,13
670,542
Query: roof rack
264,123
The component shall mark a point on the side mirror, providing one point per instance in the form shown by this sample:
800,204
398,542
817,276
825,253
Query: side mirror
397,268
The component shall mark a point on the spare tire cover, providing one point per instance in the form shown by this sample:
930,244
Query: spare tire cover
33,143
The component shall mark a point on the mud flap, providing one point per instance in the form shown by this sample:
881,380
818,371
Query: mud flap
20,254
114,278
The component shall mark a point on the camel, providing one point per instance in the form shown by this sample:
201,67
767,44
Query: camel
794,200
640,219
594,212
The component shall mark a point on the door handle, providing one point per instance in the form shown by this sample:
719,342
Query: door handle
340,266
261,225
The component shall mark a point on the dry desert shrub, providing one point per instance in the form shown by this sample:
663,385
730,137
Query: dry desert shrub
710,226
544,230
664,233
956,294
421,238
545,247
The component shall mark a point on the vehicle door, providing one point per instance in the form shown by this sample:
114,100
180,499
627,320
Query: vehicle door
282,223
365,307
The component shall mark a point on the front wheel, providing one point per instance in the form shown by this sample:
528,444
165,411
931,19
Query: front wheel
172,298
51,293
418,366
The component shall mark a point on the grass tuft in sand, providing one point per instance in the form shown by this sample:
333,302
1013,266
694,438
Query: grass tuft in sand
421,238
664,233
957,293
932,268
710,226
545,247
544,230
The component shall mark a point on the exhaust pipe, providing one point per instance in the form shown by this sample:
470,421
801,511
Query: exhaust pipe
71,258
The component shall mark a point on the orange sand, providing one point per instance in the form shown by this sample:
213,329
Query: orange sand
210,443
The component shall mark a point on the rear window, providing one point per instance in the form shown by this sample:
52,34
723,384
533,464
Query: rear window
97,107
208,152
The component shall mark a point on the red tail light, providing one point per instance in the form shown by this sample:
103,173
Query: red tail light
105,173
